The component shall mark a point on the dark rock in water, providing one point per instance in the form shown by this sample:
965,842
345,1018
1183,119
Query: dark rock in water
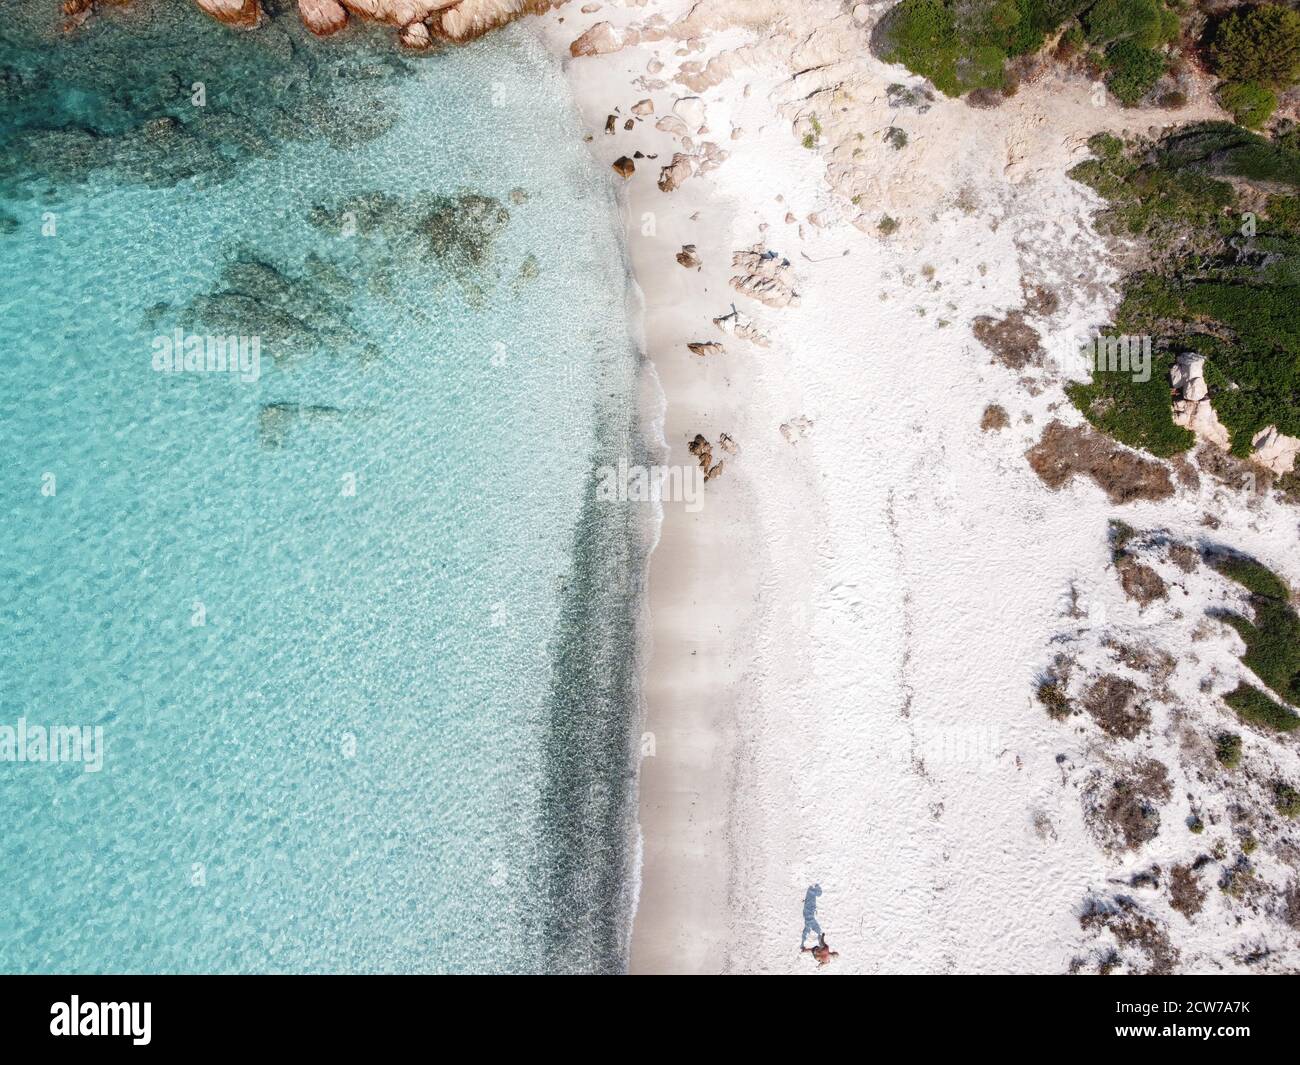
462,228
458,231
275,420
174,96
291,315
8,223
529,269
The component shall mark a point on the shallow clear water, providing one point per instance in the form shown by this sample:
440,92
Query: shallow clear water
339,623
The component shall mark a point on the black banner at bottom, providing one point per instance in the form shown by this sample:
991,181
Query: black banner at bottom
336,1014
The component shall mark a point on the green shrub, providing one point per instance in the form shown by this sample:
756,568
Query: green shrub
1207,288
1253,706
961,45
1260,44
1134,71
1286,799
1254,577
887,225
1250,104
1272,639
1147,23
1227,749
1072,42
1283,213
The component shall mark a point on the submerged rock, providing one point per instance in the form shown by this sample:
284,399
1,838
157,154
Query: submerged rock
459,231
275,420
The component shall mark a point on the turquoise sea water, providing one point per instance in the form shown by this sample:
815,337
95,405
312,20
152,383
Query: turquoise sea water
358,637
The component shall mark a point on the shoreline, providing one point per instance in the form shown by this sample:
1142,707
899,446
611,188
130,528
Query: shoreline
843,643
683,791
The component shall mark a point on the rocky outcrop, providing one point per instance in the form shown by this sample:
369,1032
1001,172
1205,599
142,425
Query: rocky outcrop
690,111
736,324
322,17
418,22
764,276
689,257
241,13
1274,450
415,35
703,452
676,172
796,429
1192,409
624,167
705,348
600,39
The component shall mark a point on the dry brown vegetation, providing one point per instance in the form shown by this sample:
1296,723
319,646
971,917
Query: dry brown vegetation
1065,452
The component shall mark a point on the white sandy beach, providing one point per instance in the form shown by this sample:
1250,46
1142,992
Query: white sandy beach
846,638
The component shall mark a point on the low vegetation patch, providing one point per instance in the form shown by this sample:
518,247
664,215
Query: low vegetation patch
1068,451
1272,641
1253,706
1185,892
1222,281
1286,799
1227,749
1051,693
1114,704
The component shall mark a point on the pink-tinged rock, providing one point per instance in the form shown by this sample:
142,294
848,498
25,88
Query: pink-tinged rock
242,13
598,40
415,36
672,175
322,17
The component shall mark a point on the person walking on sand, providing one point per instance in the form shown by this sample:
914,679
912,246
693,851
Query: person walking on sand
822,952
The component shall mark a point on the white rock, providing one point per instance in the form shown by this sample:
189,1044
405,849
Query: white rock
1275,450
671,124
690,109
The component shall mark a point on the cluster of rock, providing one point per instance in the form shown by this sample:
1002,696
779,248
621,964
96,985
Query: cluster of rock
703,452
764,276
418,22
1192,409
737,325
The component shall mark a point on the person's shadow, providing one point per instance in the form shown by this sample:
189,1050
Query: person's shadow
810,914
